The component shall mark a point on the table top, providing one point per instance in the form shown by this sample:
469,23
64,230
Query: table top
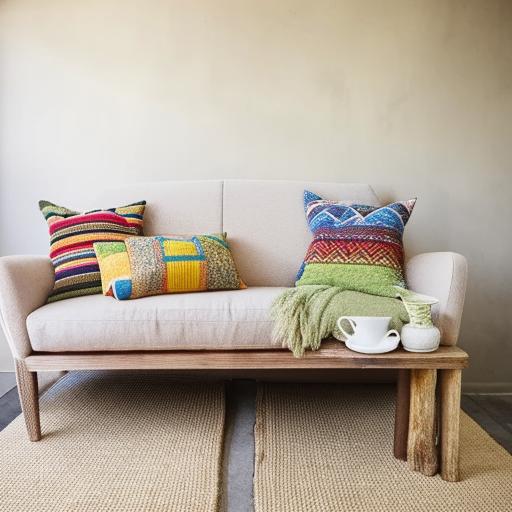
333,354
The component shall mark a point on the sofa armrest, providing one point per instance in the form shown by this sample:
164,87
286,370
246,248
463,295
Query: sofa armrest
442,275
25,283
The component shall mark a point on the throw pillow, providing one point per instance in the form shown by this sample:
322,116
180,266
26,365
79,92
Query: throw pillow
72,235
355,247
142,266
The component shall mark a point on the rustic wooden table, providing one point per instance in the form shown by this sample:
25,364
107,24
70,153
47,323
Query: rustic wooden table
428,389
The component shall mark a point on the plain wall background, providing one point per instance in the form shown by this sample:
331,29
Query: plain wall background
411,96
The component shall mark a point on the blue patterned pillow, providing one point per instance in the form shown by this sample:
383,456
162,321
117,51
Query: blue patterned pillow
355,246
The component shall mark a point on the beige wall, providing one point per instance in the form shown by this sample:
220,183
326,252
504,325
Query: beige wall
412,96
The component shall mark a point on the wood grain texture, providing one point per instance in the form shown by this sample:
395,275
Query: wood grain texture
29,399
450,389
421,444
331,355
402,404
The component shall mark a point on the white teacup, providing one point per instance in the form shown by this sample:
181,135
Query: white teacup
369,331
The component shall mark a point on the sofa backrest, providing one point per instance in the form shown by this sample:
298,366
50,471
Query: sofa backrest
266,225
264,219
173,207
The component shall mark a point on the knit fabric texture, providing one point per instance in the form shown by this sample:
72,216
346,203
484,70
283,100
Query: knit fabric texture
72,235
306,315
143,266
328,448
355,247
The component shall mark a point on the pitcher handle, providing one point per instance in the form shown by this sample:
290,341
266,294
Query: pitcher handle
352,324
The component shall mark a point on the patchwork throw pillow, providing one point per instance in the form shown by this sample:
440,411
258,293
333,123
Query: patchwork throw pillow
72,235
355,247
142,266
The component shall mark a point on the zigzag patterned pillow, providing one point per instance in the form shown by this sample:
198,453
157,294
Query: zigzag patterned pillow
355,247
72,235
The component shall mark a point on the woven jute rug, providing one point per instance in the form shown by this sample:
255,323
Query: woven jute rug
120,443
322,448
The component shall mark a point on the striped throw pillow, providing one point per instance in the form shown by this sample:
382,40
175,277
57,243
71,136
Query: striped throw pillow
355,247
72,235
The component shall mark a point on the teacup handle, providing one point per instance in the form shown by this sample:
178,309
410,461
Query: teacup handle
391,333
352,324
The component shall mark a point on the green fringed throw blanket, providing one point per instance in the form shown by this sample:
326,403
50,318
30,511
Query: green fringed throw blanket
305,315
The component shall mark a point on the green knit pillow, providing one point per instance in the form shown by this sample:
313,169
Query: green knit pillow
355,247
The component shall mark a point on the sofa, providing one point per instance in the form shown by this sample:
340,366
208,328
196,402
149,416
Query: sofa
268,236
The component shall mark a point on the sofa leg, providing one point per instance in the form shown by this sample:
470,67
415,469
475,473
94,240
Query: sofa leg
29,398
421,445
450,384
402,414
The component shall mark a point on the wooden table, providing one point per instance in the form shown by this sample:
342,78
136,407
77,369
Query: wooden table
428,390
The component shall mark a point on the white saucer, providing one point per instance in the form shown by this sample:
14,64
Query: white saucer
387,345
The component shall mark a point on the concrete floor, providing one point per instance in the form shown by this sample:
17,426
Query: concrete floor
7,382
492,412
238,464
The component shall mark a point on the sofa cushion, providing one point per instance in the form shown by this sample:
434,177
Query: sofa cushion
234,319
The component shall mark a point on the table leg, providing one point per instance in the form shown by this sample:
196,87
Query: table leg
402,414
421,444
29,399
450,387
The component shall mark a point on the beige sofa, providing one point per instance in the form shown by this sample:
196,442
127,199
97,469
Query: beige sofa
268,235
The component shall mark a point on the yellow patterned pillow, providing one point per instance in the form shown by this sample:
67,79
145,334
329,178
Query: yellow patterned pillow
142,266
114,265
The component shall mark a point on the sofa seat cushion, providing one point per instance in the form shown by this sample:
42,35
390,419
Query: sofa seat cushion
237,319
